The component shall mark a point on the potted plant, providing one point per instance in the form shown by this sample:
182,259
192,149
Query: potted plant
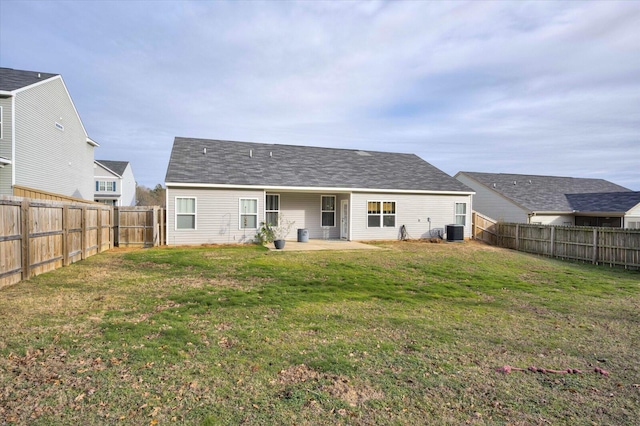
275,233
265,233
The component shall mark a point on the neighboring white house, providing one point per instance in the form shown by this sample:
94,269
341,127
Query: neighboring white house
114,183
553,200
220,192
43,143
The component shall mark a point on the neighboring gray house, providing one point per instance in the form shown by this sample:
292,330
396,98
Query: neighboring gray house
114,183
43,143
553,200
220,192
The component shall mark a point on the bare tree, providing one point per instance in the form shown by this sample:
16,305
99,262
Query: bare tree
150,197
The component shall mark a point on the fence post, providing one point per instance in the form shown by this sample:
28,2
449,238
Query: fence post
163,226
517,236
112,216
26,224
83,233
99,224
595,246
156,228
474,225
65,235
553,238
116,226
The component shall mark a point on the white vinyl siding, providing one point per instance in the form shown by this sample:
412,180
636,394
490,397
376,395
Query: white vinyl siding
552,219
218,221
217,216
1,124
304,210
128,187
634,212
424,216
492,204
125,184
328,210
5,147
185,213
248,213
45,157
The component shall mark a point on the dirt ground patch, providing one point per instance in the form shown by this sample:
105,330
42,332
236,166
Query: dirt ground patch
339,387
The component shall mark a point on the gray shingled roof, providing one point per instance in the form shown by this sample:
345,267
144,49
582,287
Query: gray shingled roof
543,193
115,166
604,202
11,79
258,164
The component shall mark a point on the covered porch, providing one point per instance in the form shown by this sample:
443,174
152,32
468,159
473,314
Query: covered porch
324,214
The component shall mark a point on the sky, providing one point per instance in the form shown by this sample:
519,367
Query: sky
543,87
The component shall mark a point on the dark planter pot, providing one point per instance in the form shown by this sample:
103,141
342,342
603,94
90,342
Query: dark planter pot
279,244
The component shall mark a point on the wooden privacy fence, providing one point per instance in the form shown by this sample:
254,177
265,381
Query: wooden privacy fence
40,236
140,226
606,246
483,228
32,193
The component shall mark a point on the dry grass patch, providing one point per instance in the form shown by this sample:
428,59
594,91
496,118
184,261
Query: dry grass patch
340,387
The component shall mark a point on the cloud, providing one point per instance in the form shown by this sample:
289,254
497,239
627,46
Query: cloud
537,87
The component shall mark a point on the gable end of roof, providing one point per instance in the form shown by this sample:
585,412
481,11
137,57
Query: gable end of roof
12,80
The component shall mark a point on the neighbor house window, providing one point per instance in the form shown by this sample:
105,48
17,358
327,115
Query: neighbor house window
272,209
461,213
248,213
381,214
105,186
185,213
328,207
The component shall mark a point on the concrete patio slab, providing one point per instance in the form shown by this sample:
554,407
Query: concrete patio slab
313,245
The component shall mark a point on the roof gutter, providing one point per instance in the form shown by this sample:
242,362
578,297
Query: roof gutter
313,189
534,213
578,213
607,214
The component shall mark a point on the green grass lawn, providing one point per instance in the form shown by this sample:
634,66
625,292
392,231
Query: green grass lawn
411,334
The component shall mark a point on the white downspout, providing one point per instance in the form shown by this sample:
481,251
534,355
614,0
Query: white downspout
167,227
13,142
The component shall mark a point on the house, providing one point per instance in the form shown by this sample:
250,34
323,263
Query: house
608,209
44,146
553,200
220,192
114,183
